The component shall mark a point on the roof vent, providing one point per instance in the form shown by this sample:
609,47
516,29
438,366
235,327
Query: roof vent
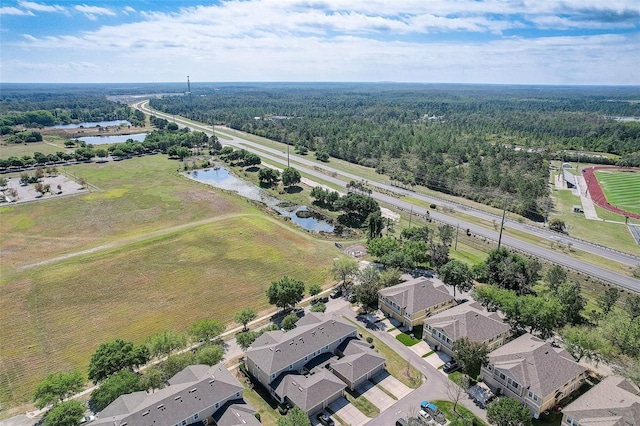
212,380
145,413
177,398
193,390
161,406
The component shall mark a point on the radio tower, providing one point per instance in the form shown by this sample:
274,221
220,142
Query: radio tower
188,86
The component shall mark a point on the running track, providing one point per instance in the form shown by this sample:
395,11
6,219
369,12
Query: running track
597,196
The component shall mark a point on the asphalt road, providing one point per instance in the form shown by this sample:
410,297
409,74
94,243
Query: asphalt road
308,167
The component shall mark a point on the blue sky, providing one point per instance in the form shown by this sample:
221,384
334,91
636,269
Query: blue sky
436,41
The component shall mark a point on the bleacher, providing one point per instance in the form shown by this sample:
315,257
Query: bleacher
570,178
635,232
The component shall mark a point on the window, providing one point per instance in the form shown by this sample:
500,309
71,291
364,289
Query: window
502,376
238,395
196,416
217,405
184,422
533,396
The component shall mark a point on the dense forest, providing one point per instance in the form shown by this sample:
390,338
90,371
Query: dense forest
40,109
485,143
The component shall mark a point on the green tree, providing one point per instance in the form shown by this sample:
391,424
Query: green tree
251,159
68,413
295,417
367,291
176,363
244,317
555,276
583,342
206,329
379,247
457,275
508,412
446,232
558,225
116,355
471,356
210,354
439,255
54,388
289,322
318,307
314,290
268,176
165,342
285,292
608,299
152,379
390,277
356,209
343,269
121,383
290,176
374,224
632,306
246,339
569,294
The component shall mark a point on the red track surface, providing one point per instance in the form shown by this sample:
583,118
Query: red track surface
596,194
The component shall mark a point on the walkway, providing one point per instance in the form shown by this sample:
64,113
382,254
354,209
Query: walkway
587,204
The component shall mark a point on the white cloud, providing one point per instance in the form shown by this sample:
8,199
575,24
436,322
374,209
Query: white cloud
128,9
91,11
10,10
342,40
39,7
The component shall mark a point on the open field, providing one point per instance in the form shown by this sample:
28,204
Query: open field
50,145
621,187
152,251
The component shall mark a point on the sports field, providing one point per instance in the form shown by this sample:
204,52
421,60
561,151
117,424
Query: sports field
152,251
621,187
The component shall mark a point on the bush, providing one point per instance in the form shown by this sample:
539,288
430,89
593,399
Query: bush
369,339
433,207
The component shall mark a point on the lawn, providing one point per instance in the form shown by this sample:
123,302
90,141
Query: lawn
622,188
362,403
397,366
455,418
160,252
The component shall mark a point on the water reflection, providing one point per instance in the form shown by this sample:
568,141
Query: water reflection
224,179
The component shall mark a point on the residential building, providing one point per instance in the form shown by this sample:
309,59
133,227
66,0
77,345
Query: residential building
197,394
414,300
615,401
311,365
534,372
468,320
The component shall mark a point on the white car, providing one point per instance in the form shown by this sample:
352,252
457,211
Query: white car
87,419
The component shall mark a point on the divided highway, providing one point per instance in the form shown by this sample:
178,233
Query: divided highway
307,167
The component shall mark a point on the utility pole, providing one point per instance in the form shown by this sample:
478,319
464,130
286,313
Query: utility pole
288,153
455,248
504,212
410,214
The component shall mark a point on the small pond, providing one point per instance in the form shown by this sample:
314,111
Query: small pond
223,179
93,124
103,140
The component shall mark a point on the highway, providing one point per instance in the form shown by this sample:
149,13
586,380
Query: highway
308,167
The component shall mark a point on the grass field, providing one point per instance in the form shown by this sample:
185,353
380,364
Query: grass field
622,188
151,251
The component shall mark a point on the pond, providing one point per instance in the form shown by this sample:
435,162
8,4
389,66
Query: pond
103,140
224,179
93,124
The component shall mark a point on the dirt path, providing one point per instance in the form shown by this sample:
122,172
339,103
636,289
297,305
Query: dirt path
129,240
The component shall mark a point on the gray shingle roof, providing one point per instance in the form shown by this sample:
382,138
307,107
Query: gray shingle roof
468,320
282,349
307,392
418,294
191,390
236,413
614,401
359,359
535,363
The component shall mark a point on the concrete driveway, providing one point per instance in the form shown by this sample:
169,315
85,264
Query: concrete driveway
391,384
375,395
348,413
437,359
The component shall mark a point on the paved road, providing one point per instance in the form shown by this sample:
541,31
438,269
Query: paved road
308,167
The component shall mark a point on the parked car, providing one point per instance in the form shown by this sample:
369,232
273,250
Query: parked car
401,422
335,294
87,419
451,366
325,420
432,409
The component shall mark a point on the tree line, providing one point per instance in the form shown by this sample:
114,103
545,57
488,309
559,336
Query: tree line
458,141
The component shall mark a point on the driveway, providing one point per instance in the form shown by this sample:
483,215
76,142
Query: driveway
375,395
391,384
348,413
437,359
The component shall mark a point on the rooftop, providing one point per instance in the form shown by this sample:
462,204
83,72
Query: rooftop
418,294
468,320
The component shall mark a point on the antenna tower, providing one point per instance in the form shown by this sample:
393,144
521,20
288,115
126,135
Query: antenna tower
188,86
